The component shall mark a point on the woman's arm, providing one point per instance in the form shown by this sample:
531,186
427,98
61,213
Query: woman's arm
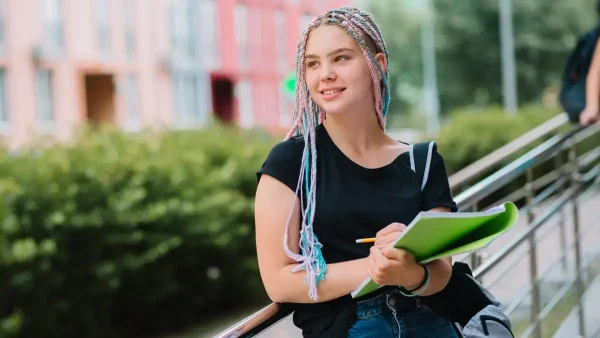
592,82
273,204
441,271
591,113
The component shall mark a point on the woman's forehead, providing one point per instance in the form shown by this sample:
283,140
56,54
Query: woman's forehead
326,38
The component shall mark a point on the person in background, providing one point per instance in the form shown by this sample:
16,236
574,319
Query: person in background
591,112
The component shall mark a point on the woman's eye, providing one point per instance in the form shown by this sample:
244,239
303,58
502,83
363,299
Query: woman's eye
340,58
311,64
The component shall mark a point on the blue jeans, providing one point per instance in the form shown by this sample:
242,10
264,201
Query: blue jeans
392,315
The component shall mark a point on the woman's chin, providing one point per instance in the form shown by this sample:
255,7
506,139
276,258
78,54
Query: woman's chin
334,108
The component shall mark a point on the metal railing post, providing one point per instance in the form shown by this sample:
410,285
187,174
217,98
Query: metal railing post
579,281
535,290
562,218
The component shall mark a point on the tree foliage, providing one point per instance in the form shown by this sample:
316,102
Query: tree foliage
468,49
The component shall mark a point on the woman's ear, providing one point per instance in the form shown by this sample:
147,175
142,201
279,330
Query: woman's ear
382,60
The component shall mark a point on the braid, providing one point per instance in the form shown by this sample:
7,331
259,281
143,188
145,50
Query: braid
308,115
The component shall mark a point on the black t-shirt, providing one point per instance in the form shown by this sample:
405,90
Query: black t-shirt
353,202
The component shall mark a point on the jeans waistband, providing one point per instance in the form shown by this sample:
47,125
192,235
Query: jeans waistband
386,299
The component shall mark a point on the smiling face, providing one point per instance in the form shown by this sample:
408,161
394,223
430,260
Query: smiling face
337,74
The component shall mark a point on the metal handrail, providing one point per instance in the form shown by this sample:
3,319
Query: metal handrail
516,168
479,167
522,296
271,314
494,260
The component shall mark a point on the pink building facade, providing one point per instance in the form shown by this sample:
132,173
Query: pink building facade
146,63
251,51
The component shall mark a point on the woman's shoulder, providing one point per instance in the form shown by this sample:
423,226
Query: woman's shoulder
284,161
288,150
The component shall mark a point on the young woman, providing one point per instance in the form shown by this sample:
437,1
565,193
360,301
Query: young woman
338,177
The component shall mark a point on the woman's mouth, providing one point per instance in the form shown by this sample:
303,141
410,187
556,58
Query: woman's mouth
333,93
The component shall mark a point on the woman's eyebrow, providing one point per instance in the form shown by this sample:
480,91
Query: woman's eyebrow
339,50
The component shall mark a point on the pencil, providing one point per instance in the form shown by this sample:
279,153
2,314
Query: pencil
365,240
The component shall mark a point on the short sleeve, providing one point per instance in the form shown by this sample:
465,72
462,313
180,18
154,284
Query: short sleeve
437,189
283,163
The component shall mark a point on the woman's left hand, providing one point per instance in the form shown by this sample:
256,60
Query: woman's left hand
392,266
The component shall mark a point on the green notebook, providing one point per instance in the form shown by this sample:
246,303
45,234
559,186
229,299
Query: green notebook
434,235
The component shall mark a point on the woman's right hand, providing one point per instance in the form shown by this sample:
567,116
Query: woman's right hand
389,234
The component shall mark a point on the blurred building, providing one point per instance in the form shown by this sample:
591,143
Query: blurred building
136,63
249,47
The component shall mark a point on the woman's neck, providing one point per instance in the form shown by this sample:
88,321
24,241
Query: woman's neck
358,134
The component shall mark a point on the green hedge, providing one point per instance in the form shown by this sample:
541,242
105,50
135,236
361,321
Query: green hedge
127,235
472,134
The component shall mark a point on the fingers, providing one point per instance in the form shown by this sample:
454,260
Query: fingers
588,120
389,234
399,255
583,119
588,116
393,227
379,259
381,246
387,239
394,253
378,265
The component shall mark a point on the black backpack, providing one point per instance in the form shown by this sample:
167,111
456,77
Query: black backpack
572,93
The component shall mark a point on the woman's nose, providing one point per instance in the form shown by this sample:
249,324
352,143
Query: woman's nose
327,74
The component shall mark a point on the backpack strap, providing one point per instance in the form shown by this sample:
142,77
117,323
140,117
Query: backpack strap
420,160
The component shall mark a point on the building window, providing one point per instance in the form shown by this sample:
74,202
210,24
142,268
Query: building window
53,25
183,23
258,48
280,40
4,119
102,20
45,111
187,100
244,94
129,15
209,42
240,17
132,121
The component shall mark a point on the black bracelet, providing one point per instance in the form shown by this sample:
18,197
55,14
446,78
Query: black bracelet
423,281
